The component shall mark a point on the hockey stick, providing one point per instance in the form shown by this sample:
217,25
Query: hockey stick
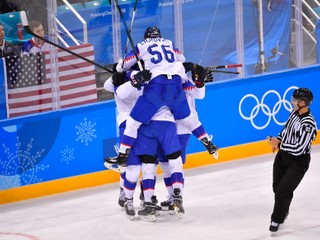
131,26
128,34
25,24
220,71
224,66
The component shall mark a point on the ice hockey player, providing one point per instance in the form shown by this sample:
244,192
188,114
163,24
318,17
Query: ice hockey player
163,63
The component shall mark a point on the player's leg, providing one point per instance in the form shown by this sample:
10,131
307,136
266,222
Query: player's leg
132,172
130,182
164,164
192,123
184,142
149,168
169,141
146,148
165,205
141,113
177,181
122,196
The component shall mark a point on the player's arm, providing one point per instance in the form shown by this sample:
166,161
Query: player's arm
129,61
179,56
199,93
108,85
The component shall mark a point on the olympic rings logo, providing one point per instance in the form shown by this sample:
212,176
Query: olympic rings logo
266,110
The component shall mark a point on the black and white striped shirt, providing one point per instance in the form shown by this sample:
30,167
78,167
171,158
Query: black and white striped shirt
298,133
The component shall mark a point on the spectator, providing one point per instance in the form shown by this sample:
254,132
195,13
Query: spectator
6,48
6,7
35,45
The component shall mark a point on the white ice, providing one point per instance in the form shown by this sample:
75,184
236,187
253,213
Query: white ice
227,201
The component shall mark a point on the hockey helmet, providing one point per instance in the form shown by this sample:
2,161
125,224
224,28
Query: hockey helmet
152,32
303,94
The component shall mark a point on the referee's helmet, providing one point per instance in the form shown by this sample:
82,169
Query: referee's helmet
303,94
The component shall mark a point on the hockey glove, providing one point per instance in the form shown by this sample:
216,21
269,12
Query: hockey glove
140,78
119,78
209,77
198,75
188,66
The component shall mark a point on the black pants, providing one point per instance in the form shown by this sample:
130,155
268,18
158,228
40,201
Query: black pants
288,171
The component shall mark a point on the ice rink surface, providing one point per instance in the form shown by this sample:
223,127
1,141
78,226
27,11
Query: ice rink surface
227,201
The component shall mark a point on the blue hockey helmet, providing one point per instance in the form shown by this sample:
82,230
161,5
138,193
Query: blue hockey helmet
303,94
152,32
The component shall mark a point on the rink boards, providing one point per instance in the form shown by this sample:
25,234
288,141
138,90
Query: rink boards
64,150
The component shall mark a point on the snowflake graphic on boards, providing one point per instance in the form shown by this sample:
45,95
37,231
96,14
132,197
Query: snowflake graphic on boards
21,163
67,155
86,132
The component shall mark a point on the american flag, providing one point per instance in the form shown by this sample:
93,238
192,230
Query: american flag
29,85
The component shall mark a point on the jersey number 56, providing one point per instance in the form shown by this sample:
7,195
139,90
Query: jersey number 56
160,52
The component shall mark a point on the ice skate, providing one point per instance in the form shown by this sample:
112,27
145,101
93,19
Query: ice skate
167,205
149,212
114,167
121,159
154,201
122,198
129,208
177,203
274,227
117,163
212,149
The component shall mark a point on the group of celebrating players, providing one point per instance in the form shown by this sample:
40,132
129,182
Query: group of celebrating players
155,91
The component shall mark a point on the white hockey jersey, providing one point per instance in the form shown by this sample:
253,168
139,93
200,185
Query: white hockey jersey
159,56
126,96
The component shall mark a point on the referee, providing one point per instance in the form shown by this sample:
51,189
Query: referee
293,158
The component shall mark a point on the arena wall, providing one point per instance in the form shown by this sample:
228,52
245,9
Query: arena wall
60,151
